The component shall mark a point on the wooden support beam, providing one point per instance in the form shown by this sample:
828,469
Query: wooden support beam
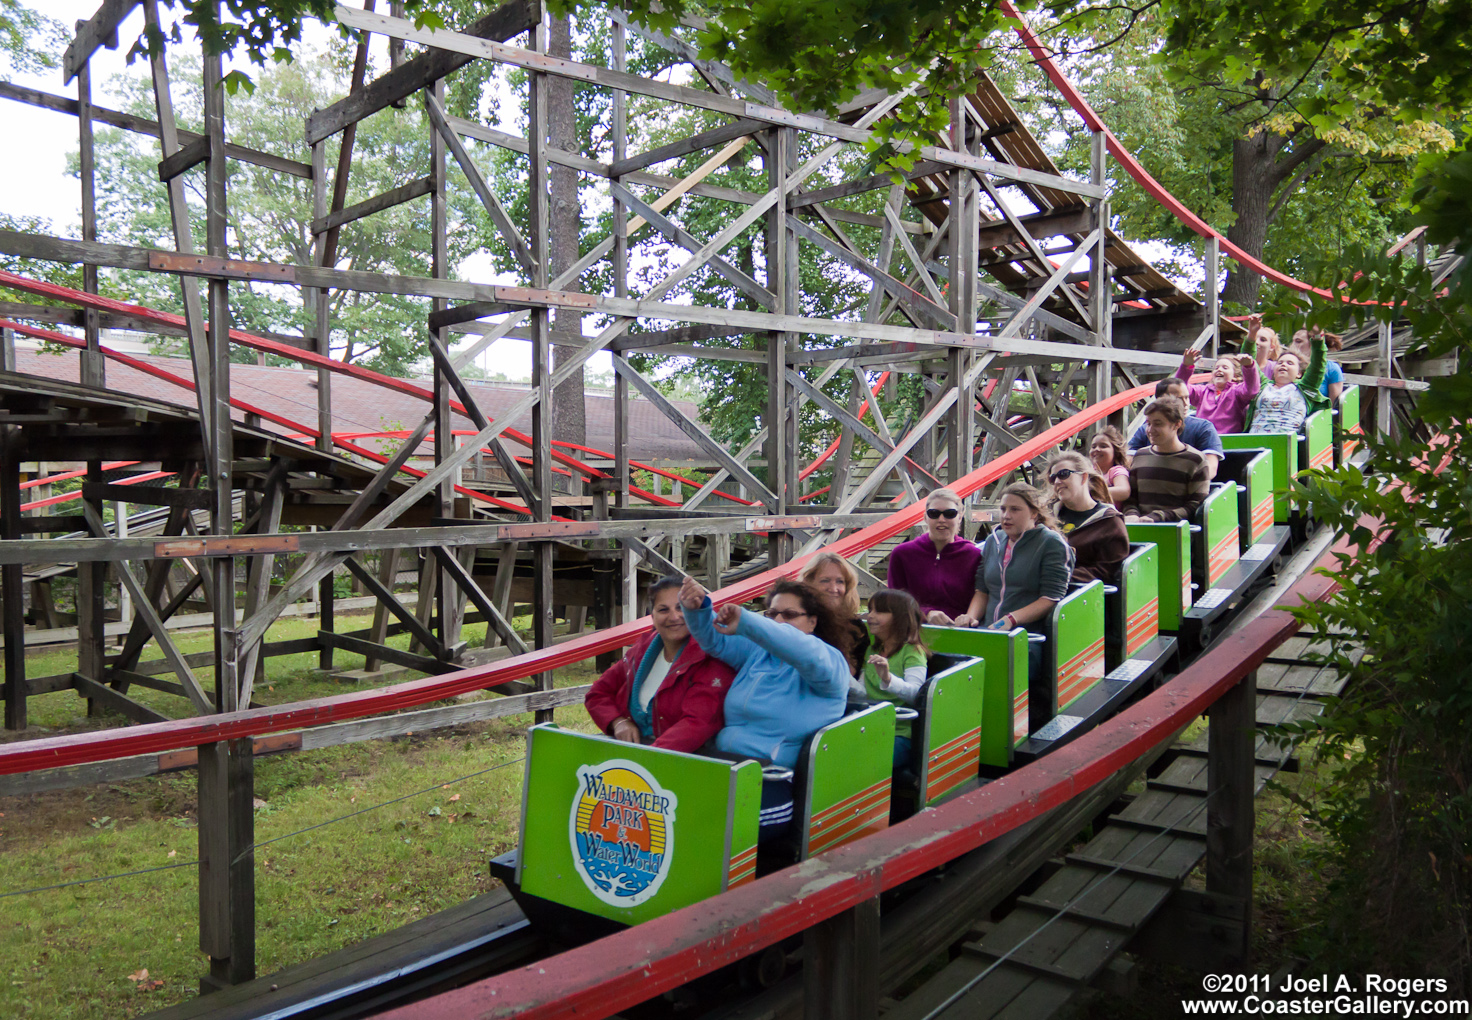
840,968
695,431
1231,739
187,158
388,653
531,60
381,592
116,701
486,604
144,126
101,30
507,229
378,203
674,232
12,610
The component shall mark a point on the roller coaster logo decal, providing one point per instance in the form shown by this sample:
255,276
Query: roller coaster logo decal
622,832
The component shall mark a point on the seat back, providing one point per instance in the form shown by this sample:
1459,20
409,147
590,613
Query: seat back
1316,445
1134,608
1074,653
1252,470
1216,547
1173,542
1004,696
1348,430
947,735
1284,448
628,832
843,787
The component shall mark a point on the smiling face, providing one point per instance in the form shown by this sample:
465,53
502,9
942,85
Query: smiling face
1071,485
1101,452
1017,516
1161,431
879,624
787,608
942,526
669,618
1224,373
1286,369
830,581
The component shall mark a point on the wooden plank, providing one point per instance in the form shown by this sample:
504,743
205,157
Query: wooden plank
187,158
691,143
115,700
378,203
438,718
148,495
387,653
424,69
98,31
504,225
143,126
696,432
592,74
366,963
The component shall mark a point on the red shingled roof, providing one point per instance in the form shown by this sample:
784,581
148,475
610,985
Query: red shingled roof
359,406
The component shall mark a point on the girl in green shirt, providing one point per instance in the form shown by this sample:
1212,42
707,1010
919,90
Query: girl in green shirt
894,669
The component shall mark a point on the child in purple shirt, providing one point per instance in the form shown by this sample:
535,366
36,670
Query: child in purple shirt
1224,400
939,567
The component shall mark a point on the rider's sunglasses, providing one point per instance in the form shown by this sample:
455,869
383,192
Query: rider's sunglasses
786,615
936,515
1062,474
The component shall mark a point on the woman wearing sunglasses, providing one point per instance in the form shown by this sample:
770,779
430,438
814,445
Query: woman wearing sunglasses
938,567
791,680
1087,518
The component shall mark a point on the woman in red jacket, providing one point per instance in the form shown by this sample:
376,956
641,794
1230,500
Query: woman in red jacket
666,691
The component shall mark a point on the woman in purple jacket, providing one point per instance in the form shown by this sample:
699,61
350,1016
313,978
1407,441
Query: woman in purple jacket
939,567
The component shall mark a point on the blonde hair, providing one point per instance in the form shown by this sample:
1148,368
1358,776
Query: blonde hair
949,494
1098,487
850,604
1270,336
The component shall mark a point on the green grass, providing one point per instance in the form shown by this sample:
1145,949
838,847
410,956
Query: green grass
74,952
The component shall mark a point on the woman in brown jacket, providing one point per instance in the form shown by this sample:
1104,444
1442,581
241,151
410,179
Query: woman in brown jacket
1087,518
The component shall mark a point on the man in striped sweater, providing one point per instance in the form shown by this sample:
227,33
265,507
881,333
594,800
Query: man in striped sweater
1168,479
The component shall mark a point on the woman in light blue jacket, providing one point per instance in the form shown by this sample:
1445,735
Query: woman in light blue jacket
791,678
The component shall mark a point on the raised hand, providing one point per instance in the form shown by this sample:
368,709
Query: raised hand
881,667
692,593
728,617
1254,323
1190,358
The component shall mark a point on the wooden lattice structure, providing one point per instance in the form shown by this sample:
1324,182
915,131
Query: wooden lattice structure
966,291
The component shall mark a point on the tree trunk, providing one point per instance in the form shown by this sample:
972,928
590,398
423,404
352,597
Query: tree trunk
569,413
1255,174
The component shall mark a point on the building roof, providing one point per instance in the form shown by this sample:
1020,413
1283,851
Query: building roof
362,406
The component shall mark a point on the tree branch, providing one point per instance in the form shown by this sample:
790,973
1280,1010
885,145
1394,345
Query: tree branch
1314,161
